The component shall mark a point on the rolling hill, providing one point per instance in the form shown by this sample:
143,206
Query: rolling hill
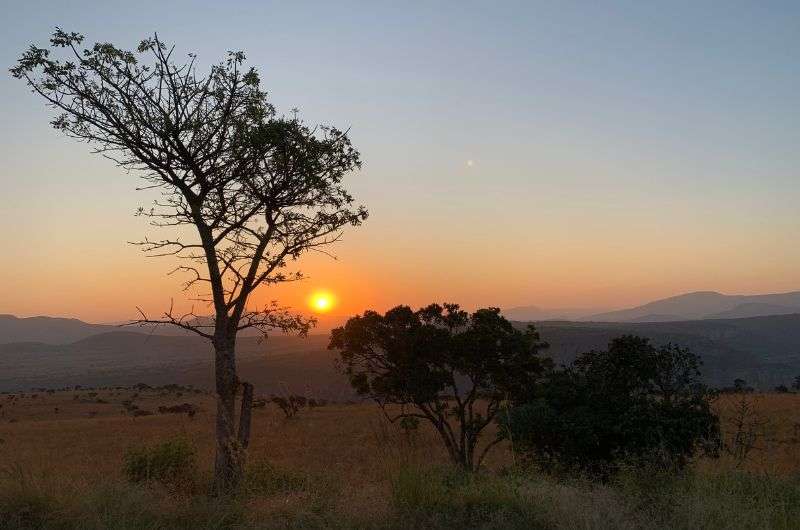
49,330
765,351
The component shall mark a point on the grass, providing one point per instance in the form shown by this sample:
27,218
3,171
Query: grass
345,467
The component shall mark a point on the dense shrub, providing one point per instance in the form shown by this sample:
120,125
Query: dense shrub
170,463
634,404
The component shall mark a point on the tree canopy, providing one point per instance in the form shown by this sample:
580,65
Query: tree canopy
259,188
442,365
633,403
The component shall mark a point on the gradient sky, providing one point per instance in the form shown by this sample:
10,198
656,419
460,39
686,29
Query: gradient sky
621,151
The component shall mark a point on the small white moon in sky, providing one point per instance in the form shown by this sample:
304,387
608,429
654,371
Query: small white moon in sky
470,163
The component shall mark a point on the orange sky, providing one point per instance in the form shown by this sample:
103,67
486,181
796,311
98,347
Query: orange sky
623,260
588,155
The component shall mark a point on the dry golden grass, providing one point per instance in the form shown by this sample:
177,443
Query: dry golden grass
352,442
350,448
348,458
775,420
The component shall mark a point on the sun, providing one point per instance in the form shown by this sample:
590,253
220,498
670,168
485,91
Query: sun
321,301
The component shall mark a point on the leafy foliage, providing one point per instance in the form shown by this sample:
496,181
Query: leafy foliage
632,403
441,365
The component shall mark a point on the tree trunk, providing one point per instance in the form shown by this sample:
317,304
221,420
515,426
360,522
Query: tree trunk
229,461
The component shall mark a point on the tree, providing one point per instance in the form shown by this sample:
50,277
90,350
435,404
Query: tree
796,383
633,402
290,405
441,365
255,189
740,385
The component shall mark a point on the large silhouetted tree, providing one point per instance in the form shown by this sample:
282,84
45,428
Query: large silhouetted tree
255,189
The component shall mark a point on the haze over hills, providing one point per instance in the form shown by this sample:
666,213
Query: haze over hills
124,358
765,351
689,306
730,332
56,330
536,313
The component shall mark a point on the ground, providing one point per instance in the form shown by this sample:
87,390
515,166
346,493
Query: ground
344,465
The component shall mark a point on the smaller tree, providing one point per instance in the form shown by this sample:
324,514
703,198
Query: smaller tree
796,383
441,365
741,386
290,405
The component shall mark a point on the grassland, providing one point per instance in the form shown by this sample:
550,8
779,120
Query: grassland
344,466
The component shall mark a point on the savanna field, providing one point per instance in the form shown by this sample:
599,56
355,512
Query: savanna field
63,465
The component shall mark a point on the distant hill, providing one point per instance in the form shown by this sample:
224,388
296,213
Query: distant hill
47,329
765,351
703,305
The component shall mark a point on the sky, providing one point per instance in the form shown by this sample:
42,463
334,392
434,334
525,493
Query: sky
558,154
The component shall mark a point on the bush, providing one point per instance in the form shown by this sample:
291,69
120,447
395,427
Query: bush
171,463
633,404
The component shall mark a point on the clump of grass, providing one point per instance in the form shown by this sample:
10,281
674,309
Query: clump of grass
736,499
444,497
171,463
262,478
45,503
26,501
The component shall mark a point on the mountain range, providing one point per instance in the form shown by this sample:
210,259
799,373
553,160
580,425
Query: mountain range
690,306
705,305
756,338
765,351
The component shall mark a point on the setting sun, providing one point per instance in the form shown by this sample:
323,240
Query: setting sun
321,301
